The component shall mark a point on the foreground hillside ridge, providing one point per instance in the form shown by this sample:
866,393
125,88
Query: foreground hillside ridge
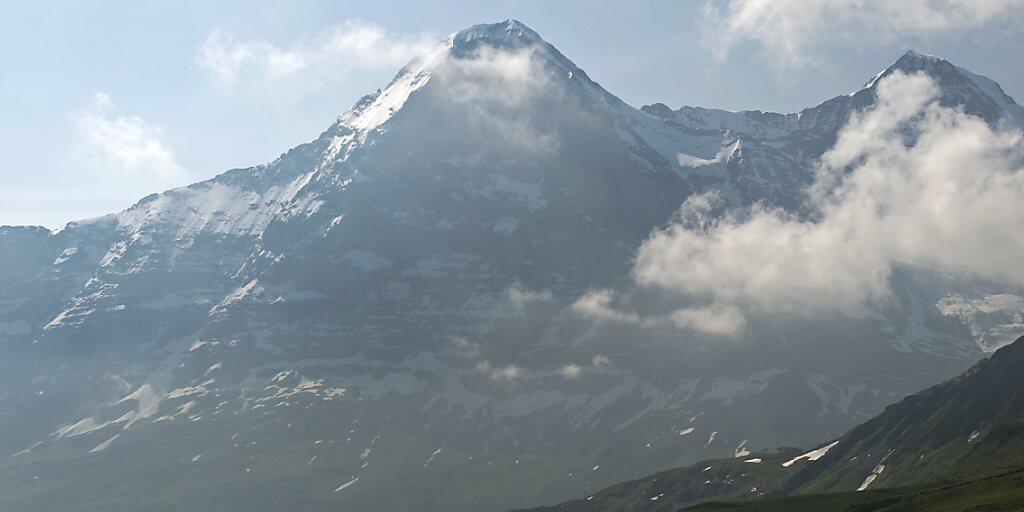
961,441
389,306
998,491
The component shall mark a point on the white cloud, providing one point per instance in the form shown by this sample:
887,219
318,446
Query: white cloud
499,76
127,144
511,372
792,32
716,319
570,371
907,181
519,297
502,91
598,304
465,348
329,55
600,361
107,160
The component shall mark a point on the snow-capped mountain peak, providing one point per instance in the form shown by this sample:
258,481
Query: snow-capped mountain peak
508,32
509,37
979,95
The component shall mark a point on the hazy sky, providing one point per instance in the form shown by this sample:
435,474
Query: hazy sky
105,102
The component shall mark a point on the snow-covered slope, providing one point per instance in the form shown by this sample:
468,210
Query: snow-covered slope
381,319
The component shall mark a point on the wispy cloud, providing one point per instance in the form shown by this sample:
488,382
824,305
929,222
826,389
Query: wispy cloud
570,371
519,298
465,348
329,55
598,304
573,371
125,145
510,372
793,32
503,91
716,319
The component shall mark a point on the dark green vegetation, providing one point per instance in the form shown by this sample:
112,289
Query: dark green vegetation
1001,491
956,446
667,491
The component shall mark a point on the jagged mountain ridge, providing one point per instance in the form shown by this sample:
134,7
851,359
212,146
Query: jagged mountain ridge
390,302
816,127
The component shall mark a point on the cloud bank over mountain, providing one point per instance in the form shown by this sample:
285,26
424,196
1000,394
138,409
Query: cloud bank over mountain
892,190
496,88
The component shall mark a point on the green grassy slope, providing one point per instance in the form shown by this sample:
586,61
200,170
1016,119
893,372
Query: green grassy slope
970,425
669,490
998,492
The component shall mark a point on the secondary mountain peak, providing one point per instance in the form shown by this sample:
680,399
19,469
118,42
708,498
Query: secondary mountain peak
913,62
978,95
912,55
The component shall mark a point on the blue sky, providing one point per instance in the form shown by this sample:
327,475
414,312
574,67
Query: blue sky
105,102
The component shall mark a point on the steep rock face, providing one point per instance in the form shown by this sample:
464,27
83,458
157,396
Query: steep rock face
381,319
